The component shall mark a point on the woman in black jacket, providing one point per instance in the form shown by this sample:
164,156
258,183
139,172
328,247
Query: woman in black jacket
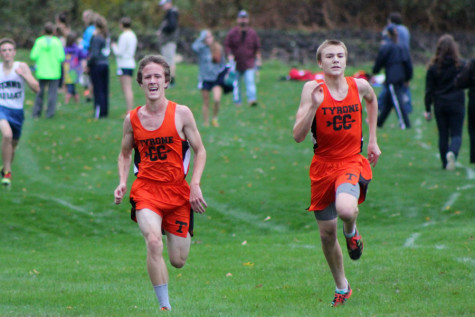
466,79
396,61
448,101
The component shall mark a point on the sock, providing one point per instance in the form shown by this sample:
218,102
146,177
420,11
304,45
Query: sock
350,235
162,295
342,290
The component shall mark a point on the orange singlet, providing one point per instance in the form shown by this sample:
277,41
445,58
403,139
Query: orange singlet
161,163
338,140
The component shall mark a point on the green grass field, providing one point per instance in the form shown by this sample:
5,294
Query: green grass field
67,250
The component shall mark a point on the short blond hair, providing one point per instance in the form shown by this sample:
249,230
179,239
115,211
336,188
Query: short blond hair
7,40
327,43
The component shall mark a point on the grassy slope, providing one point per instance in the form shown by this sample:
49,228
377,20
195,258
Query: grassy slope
67,250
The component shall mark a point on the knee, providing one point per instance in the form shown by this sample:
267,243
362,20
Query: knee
328,236
347,212
7,136
154,245
178,262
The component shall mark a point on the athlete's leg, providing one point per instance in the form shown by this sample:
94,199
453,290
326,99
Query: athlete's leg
332,251
178,249
347,209
7,144
150,223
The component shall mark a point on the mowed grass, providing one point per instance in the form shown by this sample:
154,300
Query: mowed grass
67,250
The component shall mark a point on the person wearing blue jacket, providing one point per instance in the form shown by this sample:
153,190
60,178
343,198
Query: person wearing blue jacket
396,61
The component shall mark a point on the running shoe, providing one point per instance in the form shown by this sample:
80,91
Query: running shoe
355,246
340,298
165,308
6,178
450,161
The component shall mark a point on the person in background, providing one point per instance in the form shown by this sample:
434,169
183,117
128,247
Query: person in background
62,31
72,66
466,79
13,76
88,17
448,101
161,199
211,62
339,174
396,61
125,56
404,38
243,47
168,34
98,65
48,55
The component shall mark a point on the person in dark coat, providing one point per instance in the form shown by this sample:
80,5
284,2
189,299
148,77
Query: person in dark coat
396,61
466,79
448,101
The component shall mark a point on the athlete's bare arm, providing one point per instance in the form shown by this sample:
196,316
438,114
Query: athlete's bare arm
24,71
367,93
310,100
125,158
191,133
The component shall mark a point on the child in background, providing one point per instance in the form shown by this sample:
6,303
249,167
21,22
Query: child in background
72,66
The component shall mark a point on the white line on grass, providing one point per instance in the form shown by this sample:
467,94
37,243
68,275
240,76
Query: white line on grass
78,209
245,216
452,199
466,260
410,241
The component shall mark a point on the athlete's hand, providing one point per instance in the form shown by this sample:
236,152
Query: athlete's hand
317,95
198,204
373,153
20,71
119,193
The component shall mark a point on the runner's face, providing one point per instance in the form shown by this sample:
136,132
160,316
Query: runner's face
153,81
7,52
333,60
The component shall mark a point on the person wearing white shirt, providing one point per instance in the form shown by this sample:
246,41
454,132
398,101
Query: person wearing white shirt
124,51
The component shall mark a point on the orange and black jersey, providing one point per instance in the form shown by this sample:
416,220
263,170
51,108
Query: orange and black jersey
337,126
160,155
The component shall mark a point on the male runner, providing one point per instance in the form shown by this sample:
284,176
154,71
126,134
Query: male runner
13,76
331,109
160,133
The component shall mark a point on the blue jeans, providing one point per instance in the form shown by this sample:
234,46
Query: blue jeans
250,82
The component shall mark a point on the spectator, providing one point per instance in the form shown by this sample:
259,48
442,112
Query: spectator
466,79
449,102
62,31
72,66
88,17
243,47
62,27
211,63
404,38
396,61
125,53
13,76
98,65
48,54
168,34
